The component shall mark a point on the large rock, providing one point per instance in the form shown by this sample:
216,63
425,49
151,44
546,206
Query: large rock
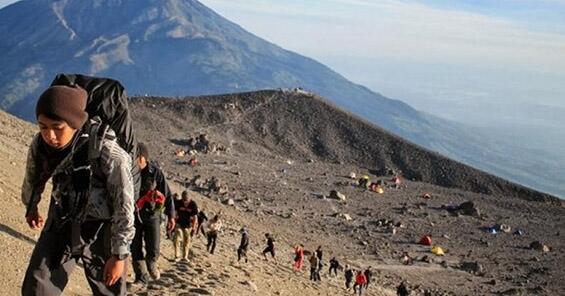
468,208
538,246
337,195
472,267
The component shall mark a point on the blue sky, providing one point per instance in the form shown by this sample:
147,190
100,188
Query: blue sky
477,62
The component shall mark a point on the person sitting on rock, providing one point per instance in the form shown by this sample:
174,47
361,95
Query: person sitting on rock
406,259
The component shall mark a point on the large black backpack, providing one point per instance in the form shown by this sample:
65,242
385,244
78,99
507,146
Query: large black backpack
107,99
107,102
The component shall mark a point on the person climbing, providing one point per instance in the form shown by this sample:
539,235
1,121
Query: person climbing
213,227
201,217
91,212
270,247
368,276
186,225
402,290
360,281
243,245
148,222
320,254
298,257
314,266
334,265
176,201
348,277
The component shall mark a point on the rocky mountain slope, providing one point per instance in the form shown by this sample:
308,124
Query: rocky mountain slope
278,174
181,47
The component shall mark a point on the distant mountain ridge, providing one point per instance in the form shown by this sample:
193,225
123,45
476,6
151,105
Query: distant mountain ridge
181,47
307,127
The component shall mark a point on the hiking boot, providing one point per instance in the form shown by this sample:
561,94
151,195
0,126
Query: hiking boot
139,284
153,270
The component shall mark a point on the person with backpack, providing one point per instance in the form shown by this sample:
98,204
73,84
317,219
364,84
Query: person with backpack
403,289
213,227
148,221
186,225
348,277
360,281
334,265
270,247
91,212
298,257
243,245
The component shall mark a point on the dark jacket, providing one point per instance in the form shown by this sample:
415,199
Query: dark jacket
244,244
153,172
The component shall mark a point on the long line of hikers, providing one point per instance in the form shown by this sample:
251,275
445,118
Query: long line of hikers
108,198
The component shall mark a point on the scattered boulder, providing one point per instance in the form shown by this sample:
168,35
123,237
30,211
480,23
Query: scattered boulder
347,217
472,267
251,285
352,175
469,209
337,195
538,246
229,202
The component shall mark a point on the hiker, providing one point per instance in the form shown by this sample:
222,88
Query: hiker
298,257
334,265
364,182
314,267
243,245
402,290
212,228
201,217
360,282
148,221
396,181
406,259
186,225
91,211
319,253
270,247
348,277
368,276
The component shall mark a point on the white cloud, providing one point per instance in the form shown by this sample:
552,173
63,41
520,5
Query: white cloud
398,29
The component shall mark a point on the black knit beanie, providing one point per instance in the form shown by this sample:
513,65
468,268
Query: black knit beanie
66,103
